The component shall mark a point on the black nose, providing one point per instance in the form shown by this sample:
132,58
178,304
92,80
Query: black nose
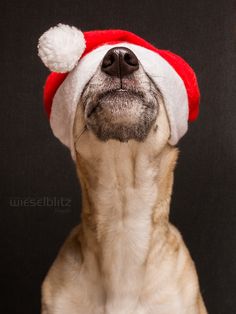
119,62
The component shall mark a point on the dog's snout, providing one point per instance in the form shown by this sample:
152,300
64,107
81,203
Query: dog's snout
119,62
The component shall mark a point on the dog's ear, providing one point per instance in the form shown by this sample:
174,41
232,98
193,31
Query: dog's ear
61,47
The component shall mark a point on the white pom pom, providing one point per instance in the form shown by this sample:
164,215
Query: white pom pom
61,47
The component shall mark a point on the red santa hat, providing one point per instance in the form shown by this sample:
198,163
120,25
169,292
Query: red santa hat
73,57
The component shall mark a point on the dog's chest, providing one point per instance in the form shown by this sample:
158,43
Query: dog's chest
126,289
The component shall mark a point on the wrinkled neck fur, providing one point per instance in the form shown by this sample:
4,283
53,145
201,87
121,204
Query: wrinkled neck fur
126,187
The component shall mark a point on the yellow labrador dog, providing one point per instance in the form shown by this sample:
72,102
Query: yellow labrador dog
125,257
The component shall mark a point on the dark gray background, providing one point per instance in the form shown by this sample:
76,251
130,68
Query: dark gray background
34,164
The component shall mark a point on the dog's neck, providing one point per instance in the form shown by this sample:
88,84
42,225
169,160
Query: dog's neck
125,185
126,196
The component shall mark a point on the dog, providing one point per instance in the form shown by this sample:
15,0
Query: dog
125,257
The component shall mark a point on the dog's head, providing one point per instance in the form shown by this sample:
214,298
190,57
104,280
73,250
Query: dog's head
118,88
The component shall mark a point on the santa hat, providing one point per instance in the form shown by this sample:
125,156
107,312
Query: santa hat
73,58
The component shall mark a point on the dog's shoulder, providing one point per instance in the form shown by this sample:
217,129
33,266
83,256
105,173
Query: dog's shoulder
66,264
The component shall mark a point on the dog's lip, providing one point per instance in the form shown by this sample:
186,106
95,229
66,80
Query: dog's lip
91,107
113,91
121,90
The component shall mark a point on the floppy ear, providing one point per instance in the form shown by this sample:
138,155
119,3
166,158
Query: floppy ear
61,47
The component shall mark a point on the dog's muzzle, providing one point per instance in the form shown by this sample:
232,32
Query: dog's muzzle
120,101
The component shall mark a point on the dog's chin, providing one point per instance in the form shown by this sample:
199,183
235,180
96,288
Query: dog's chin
121,115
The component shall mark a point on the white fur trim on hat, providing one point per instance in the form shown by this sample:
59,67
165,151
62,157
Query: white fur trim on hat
163,74
61,47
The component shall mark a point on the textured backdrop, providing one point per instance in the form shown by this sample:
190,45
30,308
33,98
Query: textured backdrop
40,195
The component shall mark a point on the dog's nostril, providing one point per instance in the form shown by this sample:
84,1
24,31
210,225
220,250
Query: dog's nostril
119,62
109,60
131,59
